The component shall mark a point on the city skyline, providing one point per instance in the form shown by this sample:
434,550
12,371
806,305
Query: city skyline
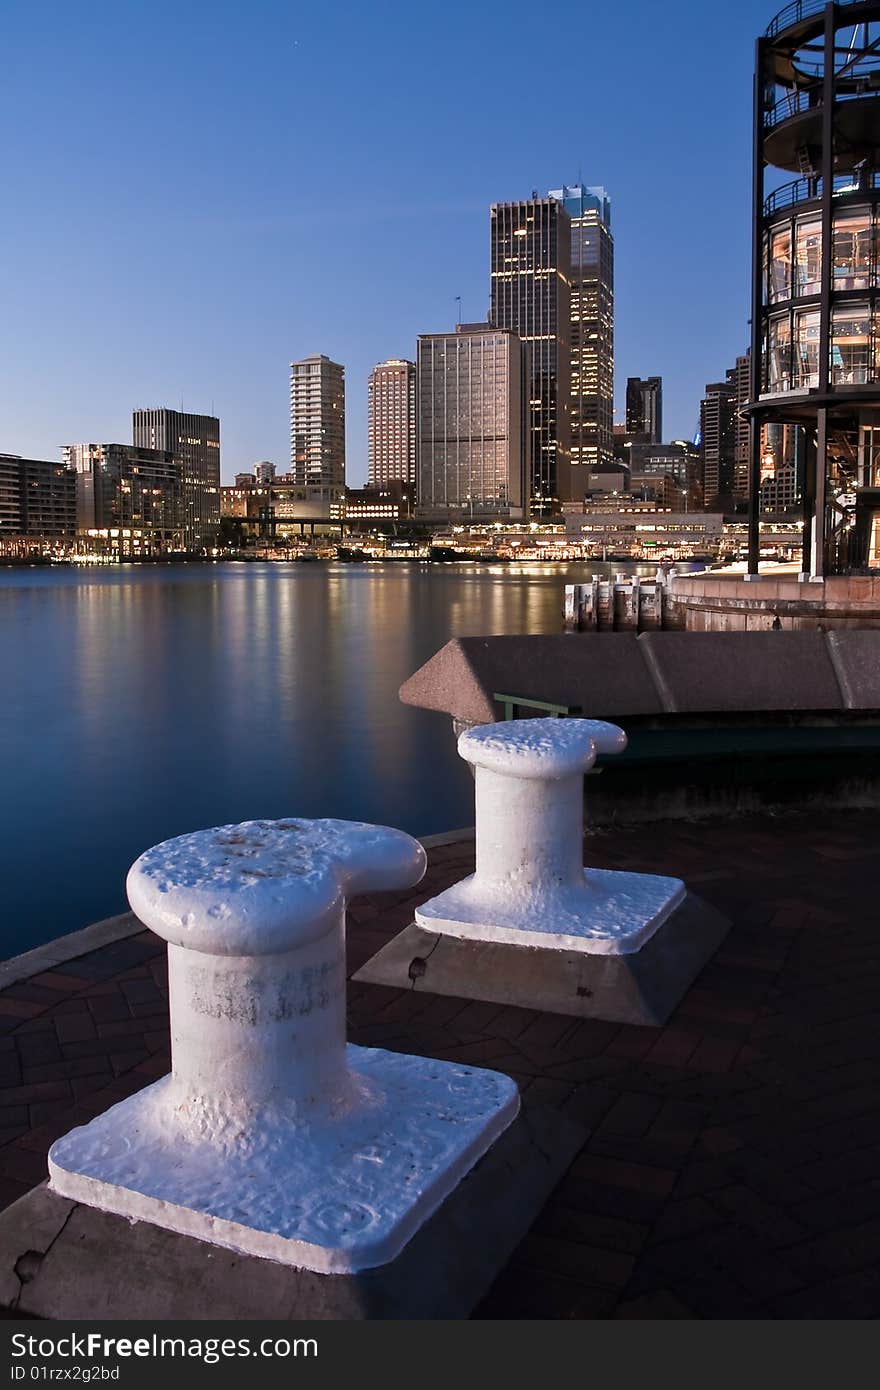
259,269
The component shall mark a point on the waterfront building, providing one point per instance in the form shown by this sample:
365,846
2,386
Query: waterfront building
295,506
391,501
471,423
37,505
644,408
130,500
717,441
248,502
530,255
591,333
392,422
195,441
317,423
643,529
815,363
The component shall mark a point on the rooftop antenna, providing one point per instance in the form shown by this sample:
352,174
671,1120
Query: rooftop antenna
458,302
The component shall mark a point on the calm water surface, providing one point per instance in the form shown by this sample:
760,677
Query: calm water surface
143,702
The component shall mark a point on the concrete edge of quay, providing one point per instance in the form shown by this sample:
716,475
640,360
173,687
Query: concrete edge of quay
68,947
111,929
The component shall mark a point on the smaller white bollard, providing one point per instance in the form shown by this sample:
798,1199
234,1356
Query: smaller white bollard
271,1135
530,887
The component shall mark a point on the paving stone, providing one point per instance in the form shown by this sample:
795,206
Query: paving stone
732,1166
654,1307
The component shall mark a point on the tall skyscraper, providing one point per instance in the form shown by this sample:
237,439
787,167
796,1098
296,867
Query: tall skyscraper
644,408
392,422
741,377
471,423
531,296
717,442
195,441
317,422
592,331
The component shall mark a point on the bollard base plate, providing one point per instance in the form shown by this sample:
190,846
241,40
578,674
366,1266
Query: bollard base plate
610,913
62,1260
642,986
335,1188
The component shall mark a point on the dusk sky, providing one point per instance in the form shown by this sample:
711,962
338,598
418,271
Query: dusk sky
195,194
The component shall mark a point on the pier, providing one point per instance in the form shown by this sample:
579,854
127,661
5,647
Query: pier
729,1170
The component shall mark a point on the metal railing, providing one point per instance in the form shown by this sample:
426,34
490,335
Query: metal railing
793,14
512,703
792,104
810,99
808,190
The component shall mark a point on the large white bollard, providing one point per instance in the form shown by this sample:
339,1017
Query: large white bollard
272,1135
530,886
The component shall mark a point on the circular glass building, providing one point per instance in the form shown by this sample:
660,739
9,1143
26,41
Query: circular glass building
815,351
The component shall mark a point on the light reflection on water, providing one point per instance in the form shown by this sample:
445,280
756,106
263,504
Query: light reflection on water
143,702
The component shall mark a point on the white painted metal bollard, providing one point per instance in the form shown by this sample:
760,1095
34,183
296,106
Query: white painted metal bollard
530,886
272,1135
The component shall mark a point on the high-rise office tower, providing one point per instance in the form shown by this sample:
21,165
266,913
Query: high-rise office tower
195,441
317,422
741,377
531,296
717,441
471,423
644,408
392,422
592,331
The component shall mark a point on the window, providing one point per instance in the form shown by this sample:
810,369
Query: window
852,357
805,373
808,256
780,265
852,247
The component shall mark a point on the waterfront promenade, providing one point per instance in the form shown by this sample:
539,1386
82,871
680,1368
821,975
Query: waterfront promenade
731,1164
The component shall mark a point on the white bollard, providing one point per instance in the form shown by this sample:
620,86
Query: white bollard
271,1135
530,886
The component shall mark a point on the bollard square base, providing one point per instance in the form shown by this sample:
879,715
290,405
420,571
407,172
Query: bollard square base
642,986
611,913
341,1192
62,1260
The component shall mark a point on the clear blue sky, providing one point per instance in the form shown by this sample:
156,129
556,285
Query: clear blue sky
194,194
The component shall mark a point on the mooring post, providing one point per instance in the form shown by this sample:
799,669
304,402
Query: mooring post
272,1135
530,886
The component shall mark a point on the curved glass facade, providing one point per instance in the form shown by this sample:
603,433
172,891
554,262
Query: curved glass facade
814,352
793,273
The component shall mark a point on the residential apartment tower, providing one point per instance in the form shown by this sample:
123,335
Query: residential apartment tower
317,423
392,422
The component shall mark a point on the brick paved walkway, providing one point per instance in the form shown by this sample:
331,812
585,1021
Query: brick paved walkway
732,1167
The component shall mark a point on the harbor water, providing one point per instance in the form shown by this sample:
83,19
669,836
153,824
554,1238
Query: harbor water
141,702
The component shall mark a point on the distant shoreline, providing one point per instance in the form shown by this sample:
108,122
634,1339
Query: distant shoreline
314,559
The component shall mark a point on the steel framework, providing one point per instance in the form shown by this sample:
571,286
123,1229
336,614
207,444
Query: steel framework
815,343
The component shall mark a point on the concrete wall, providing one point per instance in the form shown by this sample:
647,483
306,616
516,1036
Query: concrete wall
731,603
